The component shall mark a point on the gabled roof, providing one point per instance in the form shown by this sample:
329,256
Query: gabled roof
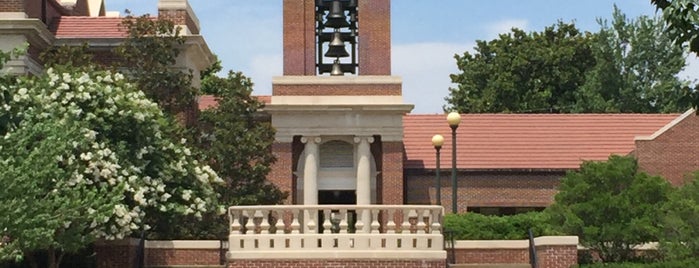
87,27
526,141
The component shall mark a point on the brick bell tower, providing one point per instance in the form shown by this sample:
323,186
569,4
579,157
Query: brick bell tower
337,110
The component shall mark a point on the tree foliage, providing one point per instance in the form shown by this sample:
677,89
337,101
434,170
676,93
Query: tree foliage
680,237
611,206
635,70
523,72
628,66
682,18
149,53
87,156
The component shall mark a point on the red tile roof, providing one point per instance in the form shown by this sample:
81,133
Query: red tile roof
209,101
87,27
526,141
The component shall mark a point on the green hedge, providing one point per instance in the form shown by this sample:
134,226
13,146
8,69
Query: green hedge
474,226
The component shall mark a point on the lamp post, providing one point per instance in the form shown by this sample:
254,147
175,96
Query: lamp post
438,141
453,118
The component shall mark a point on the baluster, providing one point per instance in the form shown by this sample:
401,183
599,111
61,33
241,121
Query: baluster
343,239
236,229
343,221
392,238
264,223
436,227
421,241
249,237
375,241
328,241
279,240
295,238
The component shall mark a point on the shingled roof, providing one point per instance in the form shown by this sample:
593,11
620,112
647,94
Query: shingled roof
526,141
87,27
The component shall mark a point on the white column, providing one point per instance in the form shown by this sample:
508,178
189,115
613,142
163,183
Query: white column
310,170
310,181
364,178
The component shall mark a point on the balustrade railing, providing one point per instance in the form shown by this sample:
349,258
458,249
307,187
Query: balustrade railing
319,229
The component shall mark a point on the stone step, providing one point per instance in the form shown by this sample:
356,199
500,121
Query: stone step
490,265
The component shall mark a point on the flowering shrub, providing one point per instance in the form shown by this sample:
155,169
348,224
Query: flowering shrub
91,144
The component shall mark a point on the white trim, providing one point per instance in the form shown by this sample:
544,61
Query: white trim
336,100
14,15
491,244
517,244
184,244
556,241
336,80
666,127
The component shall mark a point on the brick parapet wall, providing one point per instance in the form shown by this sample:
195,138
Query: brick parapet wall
552,252
392,173
520,255
173,256
345,263
485,189
12,6
672,154
557,256
281,171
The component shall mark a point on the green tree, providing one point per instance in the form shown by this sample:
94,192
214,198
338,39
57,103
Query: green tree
682,18
636,68
150,51
523,72
611,206
237,138
89,154
680,237
628,66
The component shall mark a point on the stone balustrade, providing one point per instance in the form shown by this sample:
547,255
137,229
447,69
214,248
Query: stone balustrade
336,231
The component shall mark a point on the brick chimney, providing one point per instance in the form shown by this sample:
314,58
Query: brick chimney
181,13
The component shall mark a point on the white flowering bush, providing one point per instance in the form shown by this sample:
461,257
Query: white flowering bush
102,142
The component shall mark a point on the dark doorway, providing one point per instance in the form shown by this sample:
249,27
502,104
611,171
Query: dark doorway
337,197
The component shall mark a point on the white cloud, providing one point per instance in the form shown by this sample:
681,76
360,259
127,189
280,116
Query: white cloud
425,69
504,26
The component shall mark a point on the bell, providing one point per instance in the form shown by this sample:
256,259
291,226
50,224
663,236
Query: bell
336,49
336,18
337,70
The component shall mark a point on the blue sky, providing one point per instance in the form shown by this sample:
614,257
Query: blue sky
247,34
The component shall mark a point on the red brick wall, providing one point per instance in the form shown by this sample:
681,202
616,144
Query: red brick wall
673,154
179,17
12,6
348,263
485,189
338,90
557,256
280,173
299,37
169,257
392,173
490,255
116,254
374,37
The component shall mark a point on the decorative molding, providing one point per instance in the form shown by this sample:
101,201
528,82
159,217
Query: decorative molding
185,244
